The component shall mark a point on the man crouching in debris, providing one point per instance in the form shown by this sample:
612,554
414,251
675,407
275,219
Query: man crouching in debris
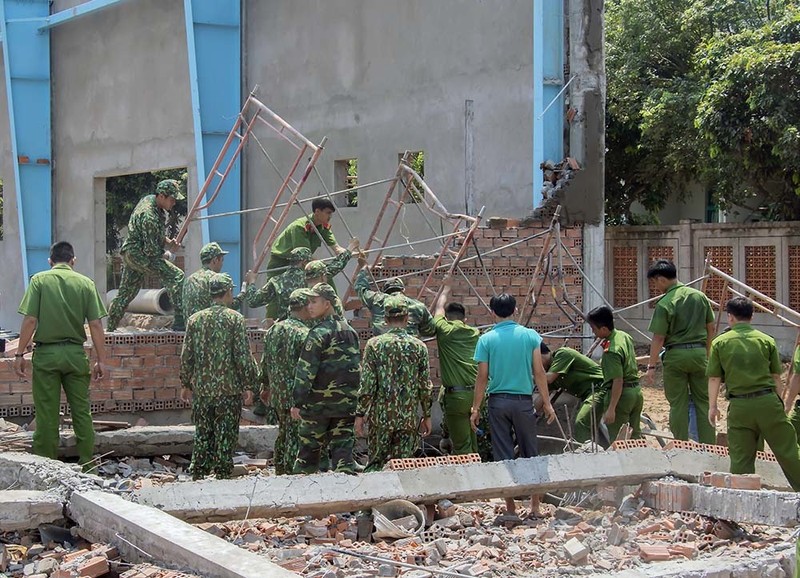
394,384
216,368
500,354
748,361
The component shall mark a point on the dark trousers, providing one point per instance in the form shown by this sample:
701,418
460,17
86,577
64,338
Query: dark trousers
512,416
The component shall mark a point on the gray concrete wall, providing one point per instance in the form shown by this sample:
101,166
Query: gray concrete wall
381,77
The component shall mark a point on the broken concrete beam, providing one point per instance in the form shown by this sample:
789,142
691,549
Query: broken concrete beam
149,441
140,531
322,494
25,471
762,507
26,509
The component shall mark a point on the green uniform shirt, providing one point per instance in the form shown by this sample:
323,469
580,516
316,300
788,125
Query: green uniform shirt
215,358
197,294
300,233
745,359
681,315
394,381
62,300
283,344
146,230
456,342
420,321
576,372
619,359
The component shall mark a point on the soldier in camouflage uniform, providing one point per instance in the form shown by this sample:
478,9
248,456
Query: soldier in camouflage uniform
319,272
143,252
277,289
325,387
196,295
283,344
216,369
420,321
394,385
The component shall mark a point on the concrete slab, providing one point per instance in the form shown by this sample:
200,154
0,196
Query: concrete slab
143,534
322,494
150,441
26,509
23,471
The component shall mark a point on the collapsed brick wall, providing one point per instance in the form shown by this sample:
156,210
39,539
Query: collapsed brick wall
143,367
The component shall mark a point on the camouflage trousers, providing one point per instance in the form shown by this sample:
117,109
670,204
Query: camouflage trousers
286,444
384,445
317,432
216,434
134,269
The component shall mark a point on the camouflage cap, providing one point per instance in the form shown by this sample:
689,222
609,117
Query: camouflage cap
211,250
325,291
170,188
299,298
395,306
315,269
219,284
393,285
299,254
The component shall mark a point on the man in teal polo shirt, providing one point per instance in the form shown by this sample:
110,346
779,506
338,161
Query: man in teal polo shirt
56,305
682,325
508,359
456,343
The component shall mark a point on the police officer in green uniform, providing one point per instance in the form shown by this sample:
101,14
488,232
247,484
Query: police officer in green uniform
747,361
196,294
580,377
623,400
55,306
791,403
683,325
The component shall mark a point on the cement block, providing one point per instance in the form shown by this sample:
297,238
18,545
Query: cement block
26,509
576,551
104,517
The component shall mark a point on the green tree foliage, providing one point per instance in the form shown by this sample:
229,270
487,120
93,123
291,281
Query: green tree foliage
122,195
702,91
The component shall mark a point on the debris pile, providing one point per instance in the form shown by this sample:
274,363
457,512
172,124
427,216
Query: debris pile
13,438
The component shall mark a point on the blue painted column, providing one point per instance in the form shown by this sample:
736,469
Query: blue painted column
548,80
213,34
26,59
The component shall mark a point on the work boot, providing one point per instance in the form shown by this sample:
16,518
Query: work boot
260,408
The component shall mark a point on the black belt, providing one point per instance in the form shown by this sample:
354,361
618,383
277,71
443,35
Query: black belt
457,388
685,346
630,384
512,395
759,393
55,343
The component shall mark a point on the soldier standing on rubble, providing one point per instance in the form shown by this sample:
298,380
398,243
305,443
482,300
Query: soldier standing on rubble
309,232
319,272
283,344
580,377
623,399
748,361
196,295
325,387
683,325
216,369
394,386
55,306
276,291
143,252
420,321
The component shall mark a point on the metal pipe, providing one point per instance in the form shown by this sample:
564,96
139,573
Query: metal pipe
748,289
151,301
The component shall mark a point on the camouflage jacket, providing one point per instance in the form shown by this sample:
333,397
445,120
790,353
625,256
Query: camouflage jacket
146,230
420,321
216,358
394,381
283,344
277,289
338,263
196,294
326,378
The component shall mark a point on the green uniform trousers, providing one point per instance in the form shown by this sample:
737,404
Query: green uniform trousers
54,367
590,412
286,444
685,373
384,445
456,407
216,434
762,416
794,418
134,269
317,432
628,410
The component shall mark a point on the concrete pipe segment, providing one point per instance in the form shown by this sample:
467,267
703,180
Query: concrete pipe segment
151,301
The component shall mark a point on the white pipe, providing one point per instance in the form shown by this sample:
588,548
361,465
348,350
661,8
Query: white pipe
152,301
